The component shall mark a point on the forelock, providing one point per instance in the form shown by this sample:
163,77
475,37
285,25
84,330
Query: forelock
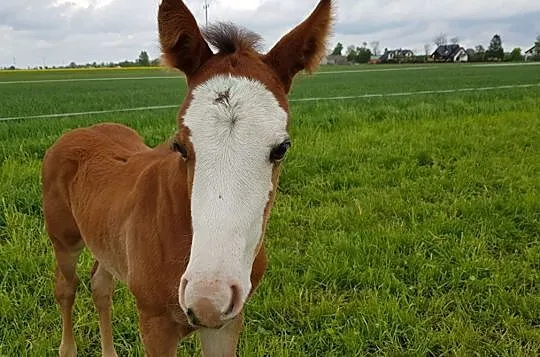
229,38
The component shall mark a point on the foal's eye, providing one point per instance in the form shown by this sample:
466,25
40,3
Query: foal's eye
181,149
278,153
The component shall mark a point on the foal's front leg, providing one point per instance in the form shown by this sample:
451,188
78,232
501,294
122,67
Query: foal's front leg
222,342
102,290
160,335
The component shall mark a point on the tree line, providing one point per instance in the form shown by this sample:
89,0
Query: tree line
358,54
494,52
142,61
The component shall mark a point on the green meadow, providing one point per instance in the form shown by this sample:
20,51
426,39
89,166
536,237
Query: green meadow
406,223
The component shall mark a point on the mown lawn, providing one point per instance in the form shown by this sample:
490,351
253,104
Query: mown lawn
403,226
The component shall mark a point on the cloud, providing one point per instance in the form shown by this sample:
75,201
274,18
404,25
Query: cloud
60,31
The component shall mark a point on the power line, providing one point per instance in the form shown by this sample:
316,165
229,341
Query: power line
206,5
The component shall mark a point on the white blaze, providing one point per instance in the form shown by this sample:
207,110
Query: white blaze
234,122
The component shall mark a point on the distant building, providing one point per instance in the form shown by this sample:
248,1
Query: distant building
532,52
335,59
450,53
397,56
374,59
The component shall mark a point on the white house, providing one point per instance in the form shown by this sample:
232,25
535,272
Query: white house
533,51
450,53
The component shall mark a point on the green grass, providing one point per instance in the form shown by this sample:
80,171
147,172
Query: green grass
403,225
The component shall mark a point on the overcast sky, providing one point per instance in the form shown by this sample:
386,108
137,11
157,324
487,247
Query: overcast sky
56,32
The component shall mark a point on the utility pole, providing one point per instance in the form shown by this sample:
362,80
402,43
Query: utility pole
206,5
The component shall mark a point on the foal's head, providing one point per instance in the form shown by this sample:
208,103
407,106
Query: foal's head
233,136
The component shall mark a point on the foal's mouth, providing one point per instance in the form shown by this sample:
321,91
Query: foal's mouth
194,321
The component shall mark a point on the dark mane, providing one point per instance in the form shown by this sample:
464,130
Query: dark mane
229,38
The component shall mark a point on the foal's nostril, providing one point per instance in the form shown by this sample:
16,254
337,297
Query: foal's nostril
210,303
192,317
235,300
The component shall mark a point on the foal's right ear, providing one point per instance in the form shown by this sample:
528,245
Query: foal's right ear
182,43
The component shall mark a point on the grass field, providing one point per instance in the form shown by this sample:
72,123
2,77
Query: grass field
404,224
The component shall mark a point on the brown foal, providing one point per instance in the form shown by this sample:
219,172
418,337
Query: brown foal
182,224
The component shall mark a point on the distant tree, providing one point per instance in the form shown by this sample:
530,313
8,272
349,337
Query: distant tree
375,47
480,54
454,40
363,54
337,50
495,49
440,39
351,54
515,55
427,49
144,59
127,63
73,65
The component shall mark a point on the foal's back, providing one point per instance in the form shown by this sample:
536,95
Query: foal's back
88,177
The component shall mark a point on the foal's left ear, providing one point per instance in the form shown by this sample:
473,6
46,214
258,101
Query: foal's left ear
303,47
182,43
